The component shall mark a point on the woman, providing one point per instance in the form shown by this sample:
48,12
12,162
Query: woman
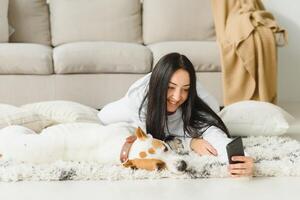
168,105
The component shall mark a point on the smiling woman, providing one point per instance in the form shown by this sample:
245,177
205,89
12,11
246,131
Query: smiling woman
170,102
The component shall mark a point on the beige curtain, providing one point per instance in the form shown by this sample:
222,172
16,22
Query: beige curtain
246,36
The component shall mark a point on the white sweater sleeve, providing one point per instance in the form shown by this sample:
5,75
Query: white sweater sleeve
117,111
126,109
218,139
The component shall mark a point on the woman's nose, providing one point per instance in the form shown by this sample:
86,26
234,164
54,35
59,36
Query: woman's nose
177,95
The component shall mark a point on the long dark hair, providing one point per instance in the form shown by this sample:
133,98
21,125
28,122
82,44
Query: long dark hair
197,116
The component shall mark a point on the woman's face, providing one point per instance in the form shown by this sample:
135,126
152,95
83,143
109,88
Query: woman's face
178,90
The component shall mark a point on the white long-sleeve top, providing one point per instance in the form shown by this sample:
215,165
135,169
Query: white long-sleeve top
127,110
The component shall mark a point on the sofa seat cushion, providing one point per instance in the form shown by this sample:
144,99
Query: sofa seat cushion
3,21
109,20
101,57
177,20
19,58
203,54
30,20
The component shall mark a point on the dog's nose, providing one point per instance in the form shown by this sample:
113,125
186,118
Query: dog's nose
181,165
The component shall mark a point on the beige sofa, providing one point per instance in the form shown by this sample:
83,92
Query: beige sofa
91,51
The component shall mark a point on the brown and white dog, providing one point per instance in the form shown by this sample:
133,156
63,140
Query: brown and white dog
113,144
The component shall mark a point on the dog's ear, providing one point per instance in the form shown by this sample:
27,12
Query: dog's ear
130,164
140,134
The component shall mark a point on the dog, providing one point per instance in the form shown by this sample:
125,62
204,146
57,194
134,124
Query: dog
112,144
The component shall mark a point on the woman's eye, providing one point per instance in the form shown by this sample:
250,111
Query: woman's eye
171,88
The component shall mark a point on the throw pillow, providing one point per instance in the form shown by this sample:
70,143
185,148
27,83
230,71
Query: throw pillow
31,21
3,21
163,22
64,111
11,115
113,20
253,118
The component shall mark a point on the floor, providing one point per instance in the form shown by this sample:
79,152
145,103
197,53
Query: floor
273,188
255,188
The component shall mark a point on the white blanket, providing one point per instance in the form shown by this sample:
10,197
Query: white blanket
70,141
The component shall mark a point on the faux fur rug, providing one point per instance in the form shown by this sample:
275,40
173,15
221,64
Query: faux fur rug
274,156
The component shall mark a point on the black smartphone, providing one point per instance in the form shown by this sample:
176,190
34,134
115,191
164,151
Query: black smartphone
235,148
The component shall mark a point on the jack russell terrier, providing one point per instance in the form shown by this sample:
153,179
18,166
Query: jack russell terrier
113,144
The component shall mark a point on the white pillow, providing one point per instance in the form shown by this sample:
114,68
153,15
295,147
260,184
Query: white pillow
4,34
64,111
253,118
11,115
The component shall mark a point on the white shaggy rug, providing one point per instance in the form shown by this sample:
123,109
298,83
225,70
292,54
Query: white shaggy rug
274,156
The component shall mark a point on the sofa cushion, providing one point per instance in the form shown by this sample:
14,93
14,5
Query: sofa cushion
204,55
170,20
30,19
3,21
113,20
101,57
25,59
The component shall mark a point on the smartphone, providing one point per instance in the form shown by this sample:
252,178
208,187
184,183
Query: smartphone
235,148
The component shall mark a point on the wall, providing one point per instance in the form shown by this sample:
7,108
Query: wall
287,14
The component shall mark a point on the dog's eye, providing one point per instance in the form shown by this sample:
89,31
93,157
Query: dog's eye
165,148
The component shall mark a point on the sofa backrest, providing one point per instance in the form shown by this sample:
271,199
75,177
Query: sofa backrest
180,20
30,21
94,20
110,20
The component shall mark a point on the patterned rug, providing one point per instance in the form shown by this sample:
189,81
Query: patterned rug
274,156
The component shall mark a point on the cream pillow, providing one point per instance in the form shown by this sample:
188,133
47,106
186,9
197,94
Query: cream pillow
177,20
11,115
4,33
64,111
254,118
31,21
94,20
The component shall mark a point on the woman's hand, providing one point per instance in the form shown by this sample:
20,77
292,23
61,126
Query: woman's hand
202,147
245,168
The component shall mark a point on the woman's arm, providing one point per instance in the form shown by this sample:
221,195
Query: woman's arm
214,143
117,111
126,109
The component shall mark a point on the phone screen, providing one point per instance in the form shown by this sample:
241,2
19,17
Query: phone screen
235,148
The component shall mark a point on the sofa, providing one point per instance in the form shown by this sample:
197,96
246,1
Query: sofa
92,51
